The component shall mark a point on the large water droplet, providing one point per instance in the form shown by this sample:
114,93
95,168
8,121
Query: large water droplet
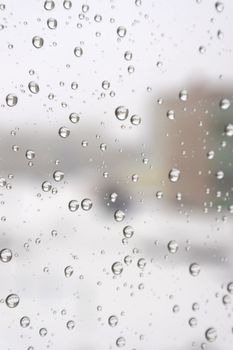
211,334
68,271
174,174
5,255
121,112
119,215
73,205
11,100
78,51
12,300
229,130
58,175
128,231
52,23
121,31
224,104
49,5
117,268
24,321
172,247
194,269
37,42
113,321
74,118
33,87
64,132
86,204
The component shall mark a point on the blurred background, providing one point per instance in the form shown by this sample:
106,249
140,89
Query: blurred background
116,181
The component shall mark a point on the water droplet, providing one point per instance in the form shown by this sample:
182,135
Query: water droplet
74,118
49,5
171,114
224,104
46,186
174,175
5,255
86,204
128,259
226,299
73,205
194,269
120,342
229,130
33,87
121,31
58,175
113,321
128,231
141,263
67,4
135,177
128,55
172,247
121,112
68,271
105,85
159,194
78,51
70,325
135,120
219,6
11,100
64,132
37,42
230,287
117,268
210,154
219,175
183,95
30,154
119,215
43,332
202,49
52,23
193,322
12,300
25,321
211,334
